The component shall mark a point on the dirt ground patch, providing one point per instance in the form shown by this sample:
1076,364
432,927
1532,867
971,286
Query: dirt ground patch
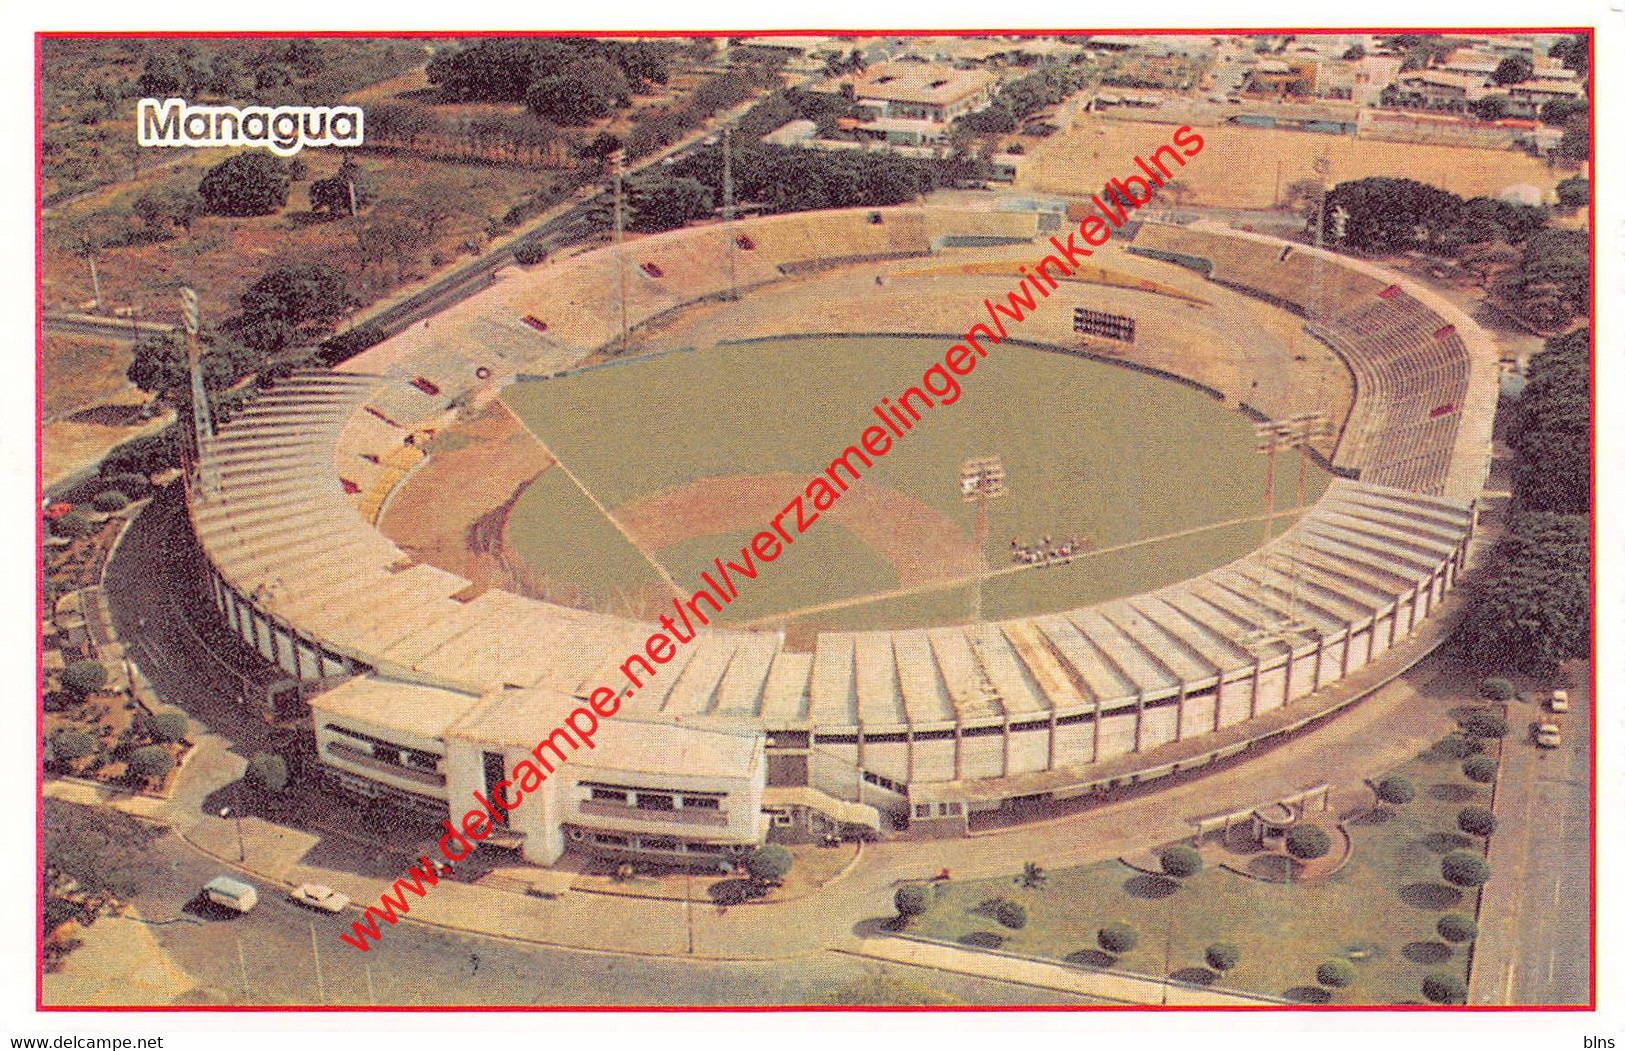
918,542
1238,166
448,513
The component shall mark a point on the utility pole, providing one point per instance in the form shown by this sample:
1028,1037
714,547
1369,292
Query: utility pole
315,954
728,210
618,158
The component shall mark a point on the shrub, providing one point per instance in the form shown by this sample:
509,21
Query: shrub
1395,791
1011,914
529,252
1308,842
110,500
268,771
166,726
1457,928
1335,974
1476,821
83,677
911,900
1496,689
1480,768
1444,989
1485,724
1118,938
768,864
1464,869
72,526
72,744
150,762
1222,956
1181,862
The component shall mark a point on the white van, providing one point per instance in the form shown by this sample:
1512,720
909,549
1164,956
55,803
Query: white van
231,894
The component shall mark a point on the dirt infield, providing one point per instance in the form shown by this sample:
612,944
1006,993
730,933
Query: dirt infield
918,542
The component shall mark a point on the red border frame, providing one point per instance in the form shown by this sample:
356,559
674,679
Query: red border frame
1589,32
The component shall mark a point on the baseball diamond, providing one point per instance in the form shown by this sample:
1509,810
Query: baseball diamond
451,656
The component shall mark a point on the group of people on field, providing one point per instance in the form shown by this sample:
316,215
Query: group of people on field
1046,550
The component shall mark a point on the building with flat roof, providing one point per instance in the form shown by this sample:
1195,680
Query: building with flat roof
919,91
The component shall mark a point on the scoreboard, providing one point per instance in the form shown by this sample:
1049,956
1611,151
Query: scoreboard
1099,323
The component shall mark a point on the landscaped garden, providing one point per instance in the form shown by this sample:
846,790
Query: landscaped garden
1393,923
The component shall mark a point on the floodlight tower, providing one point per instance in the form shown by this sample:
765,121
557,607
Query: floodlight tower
206,471
618,159
981,478
728,210
1294,432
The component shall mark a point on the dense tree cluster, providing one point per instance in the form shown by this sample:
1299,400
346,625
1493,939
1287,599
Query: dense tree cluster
567,81
1550,428
293,304
1551,285
1536,610
787,179
1394,215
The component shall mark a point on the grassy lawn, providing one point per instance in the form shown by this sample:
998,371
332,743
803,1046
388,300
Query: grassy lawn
1378,912
1083,445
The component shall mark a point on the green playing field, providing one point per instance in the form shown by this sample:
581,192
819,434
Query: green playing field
1090,449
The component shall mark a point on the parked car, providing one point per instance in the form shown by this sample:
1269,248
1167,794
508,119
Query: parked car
231,894
1547,735
1559,702
318,896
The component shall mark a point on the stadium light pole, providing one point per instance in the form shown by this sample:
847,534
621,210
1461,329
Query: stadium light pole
728,210
618,158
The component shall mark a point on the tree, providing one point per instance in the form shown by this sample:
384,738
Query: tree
292,304
82,678
1011,914
768,864
583,93
109,500
529,252
133,485
1574,52
159,210
1574,192
1390,215
247,184
1444,988
1476,821
1395,791
1561,112
1308,842
68,745
1514,69
1180,862
331,196
1457,928
1117,938
1496,690
72,526
1550,428
167,727
1551,286
1485,724
1490,107
1575,145
1335,974
1464,869
665,203
268,772
1222,957
150,761
911,899
1354,53
1480,768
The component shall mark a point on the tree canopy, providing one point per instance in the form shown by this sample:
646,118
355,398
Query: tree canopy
1308,842
1551,286
246,184
1514,69
787,179
662,202
293,304
1550,428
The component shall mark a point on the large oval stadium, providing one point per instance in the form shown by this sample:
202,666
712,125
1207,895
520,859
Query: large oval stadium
428,539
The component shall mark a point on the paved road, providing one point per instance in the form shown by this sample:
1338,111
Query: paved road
284,953
1535,948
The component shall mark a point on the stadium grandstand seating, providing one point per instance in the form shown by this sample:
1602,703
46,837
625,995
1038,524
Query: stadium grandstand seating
1021,706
